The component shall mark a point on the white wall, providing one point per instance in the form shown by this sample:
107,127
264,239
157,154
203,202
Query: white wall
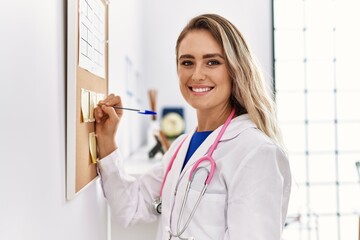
125,39
163,21
33,142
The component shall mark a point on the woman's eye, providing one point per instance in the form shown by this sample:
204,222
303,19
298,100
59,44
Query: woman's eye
186,63
213,62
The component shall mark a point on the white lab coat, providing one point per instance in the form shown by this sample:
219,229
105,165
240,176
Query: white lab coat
246,200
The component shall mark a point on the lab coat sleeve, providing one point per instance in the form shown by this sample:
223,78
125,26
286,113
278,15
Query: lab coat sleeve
258,195
130,198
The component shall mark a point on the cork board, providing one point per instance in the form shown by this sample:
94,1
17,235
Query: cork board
87,71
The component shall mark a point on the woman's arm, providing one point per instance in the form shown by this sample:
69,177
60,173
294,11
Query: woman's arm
130,199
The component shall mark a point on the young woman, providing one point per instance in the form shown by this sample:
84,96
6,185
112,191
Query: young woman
227,179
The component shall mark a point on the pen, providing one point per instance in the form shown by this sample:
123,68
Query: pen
147,112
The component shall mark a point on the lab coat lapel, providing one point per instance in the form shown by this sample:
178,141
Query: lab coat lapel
236,126
175,172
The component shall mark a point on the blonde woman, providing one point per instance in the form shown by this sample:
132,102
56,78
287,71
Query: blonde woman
227,179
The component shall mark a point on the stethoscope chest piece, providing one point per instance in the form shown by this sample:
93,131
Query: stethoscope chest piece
157,204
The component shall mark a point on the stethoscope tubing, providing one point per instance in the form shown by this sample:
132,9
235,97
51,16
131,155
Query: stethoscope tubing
210,173
208,156
170,166
179,232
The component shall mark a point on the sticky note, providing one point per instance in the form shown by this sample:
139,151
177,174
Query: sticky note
99,97
92,146
92,105
85,104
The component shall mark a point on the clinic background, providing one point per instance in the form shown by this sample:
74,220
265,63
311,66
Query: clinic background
142,37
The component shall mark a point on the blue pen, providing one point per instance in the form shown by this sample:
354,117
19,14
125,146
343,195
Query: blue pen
147,112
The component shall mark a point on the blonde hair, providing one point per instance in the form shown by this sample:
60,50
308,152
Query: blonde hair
249,92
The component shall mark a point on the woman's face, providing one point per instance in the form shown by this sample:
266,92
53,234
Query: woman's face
204,80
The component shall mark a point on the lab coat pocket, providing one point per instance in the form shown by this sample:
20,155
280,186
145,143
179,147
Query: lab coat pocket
211,209
210,217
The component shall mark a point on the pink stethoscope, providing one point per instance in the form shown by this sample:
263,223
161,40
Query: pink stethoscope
208,157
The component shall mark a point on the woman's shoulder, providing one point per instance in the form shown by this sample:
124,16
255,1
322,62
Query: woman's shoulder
245,131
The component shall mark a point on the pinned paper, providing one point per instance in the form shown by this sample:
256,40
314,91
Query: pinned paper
92,105
92,36
85,104
99,97
92,146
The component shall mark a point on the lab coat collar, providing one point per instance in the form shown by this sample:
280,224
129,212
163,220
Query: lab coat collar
236,126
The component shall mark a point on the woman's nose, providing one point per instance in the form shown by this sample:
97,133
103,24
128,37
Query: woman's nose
199,74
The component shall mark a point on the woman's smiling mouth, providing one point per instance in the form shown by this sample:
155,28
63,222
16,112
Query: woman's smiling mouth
200,89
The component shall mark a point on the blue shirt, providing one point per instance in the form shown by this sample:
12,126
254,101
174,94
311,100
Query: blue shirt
197,139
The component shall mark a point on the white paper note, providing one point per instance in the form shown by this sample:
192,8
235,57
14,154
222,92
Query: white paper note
92,36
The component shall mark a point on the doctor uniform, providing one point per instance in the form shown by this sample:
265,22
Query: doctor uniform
247,198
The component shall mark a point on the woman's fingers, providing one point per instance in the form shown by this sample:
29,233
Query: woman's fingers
111,100
114,100
107,121
98,113
106,108
110,111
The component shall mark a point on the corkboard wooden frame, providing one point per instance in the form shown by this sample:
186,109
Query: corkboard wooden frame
80,171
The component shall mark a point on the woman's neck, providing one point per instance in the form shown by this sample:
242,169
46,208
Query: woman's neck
209,120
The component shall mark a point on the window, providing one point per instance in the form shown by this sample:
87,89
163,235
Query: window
317,84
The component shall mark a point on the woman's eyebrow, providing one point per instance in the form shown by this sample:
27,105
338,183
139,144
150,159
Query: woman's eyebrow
209,55
186,56
212,55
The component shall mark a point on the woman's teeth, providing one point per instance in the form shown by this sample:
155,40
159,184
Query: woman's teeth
201,89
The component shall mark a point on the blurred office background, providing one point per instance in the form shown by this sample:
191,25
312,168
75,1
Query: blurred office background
308,50
316,49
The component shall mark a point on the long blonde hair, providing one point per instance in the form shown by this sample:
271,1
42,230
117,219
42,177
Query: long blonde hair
249,92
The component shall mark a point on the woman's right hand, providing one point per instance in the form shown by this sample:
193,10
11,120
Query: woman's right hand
107,122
